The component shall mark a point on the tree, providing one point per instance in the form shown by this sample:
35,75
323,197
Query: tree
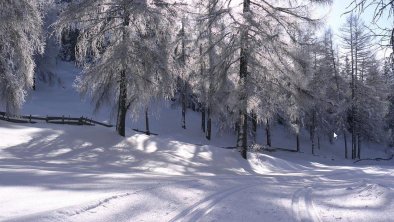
210,84
382,10
357,42
388,76
368,91
20,39
267,31
123,47
327,113
374,104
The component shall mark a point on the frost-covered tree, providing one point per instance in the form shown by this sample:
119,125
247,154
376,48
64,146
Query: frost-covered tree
124,47
356,43
382,10
328,89
368,91
213,60
373,106
267,31
388,76
20,39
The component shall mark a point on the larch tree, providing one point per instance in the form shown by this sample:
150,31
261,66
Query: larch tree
388,73
212,40
20,39
356,43
388,76
382,10
373,104
267,31
368,90
123,46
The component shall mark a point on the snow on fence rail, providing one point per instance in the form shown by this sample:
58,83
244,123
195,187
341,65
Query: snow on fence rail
52,119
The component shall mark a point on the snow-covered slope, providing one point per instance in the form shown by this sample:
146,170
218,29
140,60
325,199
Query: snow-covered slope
73,173
81,173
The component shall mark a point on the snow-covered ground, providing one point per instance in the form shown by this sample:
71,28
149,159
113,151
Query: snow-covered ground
81,173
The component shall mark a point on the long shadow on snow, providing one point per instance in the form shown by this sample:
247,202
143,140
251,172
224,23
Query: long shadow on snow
62,156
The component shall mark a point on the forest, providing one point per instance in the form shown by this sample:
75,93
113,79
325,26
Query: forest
241,64
196,110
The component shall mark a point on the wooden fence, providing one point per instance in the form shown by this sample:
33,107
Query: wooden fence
52,119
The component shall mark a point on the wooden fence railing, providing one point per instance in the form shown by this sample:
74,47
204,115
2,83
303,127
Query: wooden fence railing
52,119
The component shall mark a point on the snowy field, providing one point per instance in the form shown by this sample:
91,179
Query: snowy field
80,173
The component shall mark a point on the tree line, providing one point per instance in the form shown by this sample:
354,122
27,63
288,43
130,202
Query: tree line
241,63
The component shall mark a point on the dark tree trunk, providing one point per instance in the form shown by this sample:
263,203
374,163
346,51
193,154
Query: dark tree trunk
209,124
203,103
122,109
243,135
298,141
268,133
359,147
345,138
203,118
184,87
147,131
238,131
318,141
312,133
34,82
331,138
184,107
355,146
243,81
254,126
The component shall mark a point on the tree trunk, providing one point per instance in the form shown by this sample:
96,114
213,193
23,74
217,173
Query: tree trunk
359,147
331,138
184,107
313,127
202,76
243,81
243,135
353,90
345,138
122,109
238,131
268,133
209,124
183,61
147,131
254,126
318,141
203,118
34,82
298,141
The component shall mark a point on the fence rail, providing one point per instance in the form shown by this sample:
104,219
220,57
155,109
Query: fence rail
52,119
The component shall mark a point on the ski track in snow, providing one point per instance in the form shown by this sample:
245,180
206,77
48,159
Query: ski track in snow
64,213
201,208
303,207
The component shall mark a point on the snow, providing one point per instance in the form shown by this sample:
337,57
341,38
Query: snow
52,172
